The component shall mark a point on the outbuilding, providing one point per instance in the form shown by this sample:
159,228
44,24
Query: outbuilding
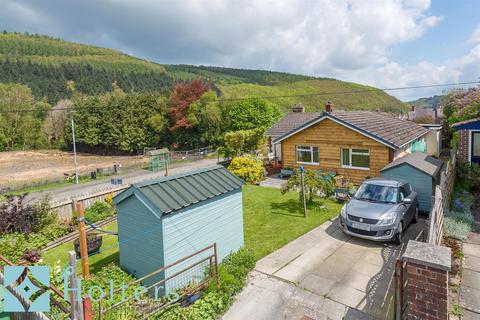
421,171
162,221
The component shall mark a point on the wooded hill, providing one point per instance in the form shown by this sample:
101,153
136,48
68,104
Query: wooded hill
45,64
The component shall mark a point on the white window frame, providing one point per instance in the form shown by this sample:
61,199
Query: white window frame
310,148
350,152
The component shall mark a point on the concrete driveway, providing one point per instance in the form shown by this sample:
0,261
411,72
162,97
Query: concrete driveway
324,274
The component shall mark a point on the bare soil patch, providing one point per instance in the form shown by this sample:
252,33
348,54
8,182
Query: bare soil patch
22,167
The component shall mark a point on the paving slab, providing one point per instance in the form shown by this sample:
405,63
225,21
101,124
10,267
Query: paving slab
468,315
323,275
471,279
469,299
473,238
472,263
470,249
280,258
268,298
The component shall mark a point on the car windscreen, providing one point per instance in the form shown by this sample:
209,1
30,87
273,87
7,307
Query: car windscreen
377,193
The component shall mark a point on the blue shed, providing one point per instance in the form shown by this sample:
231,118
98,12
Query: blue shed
162,221
421,171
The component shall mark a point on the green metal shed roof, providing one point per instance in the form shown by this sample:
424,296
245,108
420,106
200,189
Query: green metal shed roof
176,192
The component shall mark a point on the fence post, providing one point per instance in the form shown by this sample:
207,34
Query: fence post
77,313
87,309
74,205
82,238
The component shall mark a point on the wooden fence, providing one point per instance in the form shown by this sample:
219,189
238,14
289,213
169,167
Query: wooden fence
441,202
66,207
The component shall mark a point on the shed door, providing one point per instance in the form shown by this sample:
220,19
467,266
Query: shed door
476,147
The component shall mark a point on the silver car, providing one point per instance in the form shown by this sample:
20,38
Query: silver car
380,210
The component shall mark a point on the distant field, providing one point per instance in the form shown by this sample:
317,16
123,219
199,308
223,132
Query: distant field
334,90
25,167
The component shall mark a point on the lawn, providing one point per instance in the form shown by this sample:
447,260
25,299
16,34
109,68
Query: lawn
108,253
271,220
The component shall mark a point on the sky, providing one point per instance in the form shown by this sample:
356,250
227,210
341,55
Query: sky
384,43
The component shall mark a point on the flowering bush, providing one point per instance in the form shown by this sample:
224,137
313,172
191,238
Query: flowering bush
248,168
463,105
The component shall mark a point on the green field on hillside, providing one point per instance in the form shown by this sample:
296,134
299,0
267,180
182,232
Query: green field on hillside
45,64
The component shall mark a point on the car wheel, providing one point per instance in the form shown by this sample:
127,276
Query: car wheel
415,217
398,236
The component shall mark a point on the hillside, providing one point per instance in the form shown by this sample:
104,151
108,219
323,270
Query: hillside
430,102
45,64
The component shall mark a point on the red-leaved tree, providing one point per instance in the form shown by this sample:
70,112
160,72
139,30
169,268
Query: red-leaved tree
183,95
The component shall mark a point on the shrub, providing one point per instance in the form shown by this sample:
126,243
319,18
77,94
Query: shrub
17,217
459,220
316,185
111,272
219,295
98,211
248,168
469,175
32,256
13,245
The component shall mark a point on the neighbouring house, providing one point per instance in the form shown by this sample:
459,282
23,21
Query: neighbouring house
433,114
421,171
162,221
433,138
468,140
356,144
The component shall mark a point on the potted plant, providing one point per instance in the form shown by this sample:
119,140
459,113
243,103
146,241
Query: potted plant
94,242
286,172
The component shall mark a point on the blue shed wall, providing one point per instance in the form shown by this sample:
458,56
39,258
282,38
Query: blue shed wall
219,220
420,182
140,239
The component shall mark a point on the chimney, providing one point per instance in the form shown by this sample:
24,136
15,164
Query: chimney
329,106
298,108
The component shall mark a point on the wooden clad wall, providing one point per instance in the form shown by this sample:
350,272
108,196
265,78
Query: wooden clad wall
217,220
140,240
330,137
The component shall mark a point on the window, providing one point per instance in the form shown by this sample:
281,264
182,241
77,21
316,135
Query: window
355,158
307,154
377,193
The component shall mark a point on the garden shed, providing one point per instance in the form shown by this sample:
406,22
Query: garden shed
162,221
421,171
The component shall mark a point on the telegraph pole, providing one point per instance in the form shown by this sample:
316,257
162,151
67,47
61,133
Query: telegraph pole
74,147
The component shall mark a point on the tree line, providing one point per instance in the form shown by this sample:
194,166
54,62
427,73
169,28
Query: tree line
190,116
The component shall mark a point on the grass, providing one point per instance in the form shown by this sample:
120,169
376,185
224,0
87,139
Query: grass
107,255
271,220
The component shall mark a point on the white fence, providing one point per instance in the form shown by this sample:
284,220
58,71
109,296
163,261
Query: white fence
65,208
441,202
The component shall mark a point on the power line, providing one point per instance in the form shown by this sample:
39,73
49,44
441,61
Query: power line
279,96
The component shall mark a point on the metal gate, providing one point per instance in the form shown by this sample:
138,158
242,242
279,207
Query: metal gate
182,281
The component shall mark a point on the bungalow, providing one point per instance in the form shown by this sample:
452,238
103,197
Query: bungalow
468,140
355,144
